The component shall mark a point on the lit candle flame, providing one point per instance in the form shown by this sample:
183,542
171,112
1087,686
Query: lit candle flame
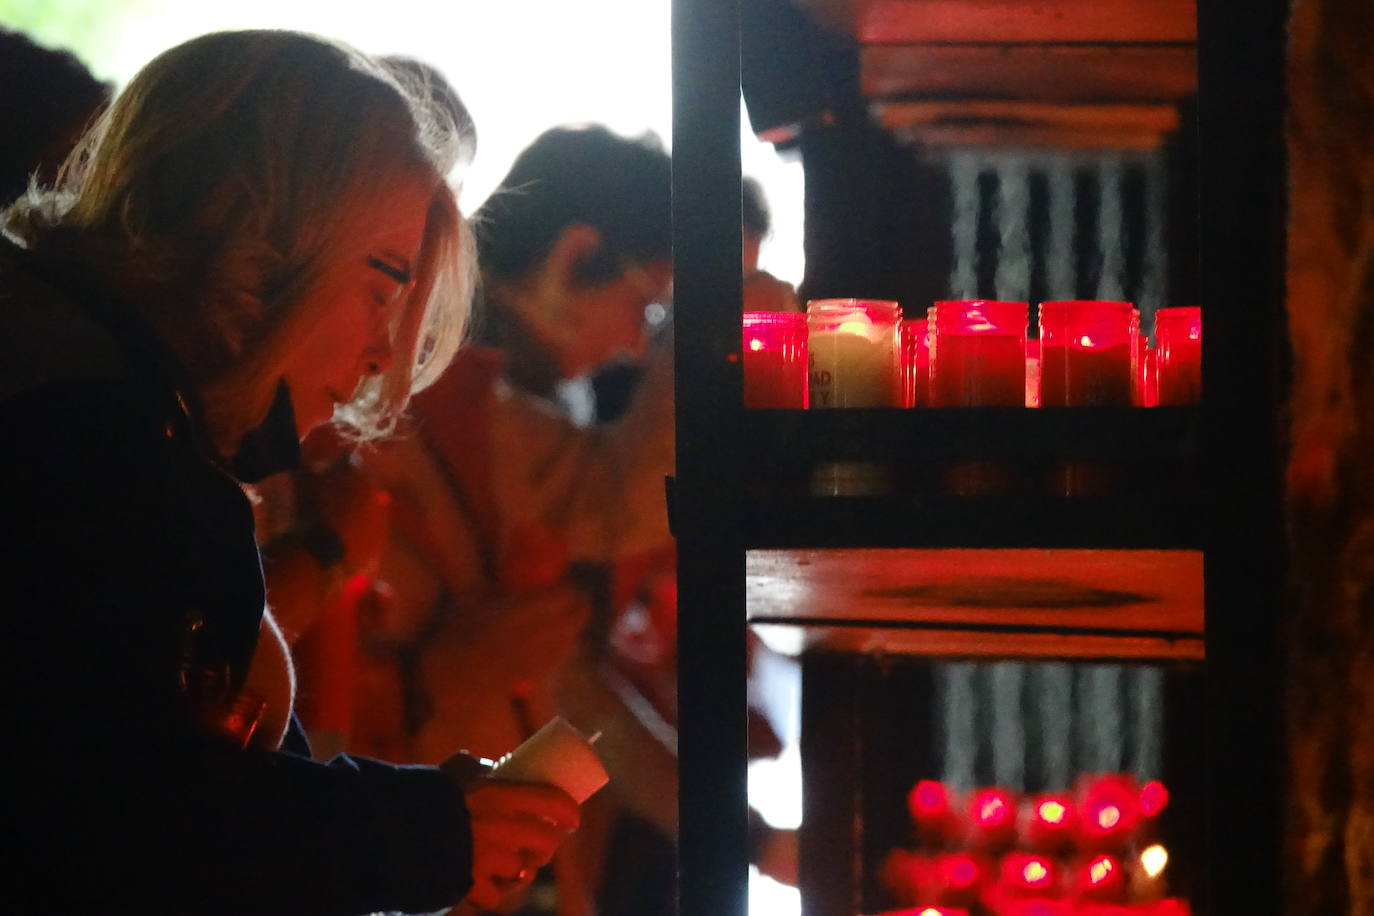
1153,859
1052,812
991,810
859,324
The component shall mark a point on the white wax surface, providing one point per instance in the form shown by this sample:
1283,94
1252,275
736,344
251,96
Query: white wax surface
853,369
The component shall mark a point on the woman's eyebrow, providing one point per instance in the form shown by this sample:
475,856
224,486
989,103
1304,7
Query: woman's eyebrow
399,274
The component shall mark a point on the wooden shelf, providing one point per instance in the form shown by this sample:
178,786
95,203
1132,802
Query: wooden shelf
1160,435
1144,604
1133,474
1068,74
1134,522
973,21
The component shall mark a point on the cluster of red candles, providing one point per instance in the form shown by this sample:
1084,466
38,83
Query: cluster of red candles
970,353
1087,853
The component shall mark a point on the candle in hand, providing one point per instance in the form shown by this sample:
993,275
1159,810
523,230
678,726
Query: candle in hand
853,352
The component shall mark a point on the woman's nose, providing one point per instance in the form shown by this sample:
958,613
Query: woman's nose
379,356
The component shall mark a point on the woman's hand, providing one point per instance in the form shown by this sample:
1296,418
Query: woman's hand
516,828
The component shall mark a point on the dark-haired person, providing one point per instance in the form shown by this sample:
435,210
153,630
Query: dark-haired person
254,240
502,498
47,99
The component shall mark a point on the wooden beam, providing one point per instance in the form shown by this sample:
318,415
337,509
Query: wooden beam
1039,73
1132,592
1033,137
1156,118
1032,21
1030,125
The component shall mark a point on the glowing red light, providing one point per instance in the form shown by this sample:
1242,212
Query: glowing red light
992,808
1024,874
1153,798
1101,869
960,871
928,797
1111,812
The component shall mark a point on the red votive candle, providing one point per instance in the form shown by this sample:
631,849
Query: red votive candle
915,363
1053,823
978,354
1109,813
1033,372
1154,798
909,877
929,804
1178,355
1101,878
1086,354
775,359
1040,907
960,877
992,818
1026,875
1146,393
854,354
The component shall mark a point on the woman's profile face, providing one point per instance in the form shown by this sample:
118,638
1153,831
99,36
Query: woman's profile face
607,320
358,297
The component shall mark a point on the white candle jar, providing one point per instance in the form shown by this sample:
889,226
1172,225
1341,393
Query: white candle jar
854,354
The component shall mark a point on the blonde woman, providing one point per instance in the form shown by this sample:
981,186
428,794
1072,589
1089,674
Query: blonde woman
255,239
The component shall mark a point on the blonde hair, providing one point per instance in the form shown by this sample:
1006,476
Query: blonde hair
215,191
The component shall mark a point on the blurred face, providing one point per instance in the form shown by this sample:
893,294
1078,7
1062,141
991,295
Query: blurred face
607,320
359,298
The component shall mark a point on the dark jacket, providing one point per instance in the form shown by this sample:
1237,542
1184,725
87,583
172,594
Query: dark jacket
131,569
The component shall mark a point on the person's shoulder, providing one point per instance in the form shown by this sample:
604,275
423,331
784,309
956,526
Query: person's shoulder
46,338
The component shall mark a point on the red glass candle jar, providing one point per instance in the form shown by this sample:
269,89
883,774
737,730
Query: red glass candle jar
1086,354
978,354
1109,813
1033,372
909,877
775,360
1178,355
1026,875
853,352
961,878
1100,878
992,818
1146,393
1052,823
915,363
1154,798
931,810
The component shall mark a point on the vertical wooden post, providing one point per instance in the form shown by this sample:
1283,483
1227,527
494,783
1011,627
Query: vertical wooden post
713,743
1241,181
